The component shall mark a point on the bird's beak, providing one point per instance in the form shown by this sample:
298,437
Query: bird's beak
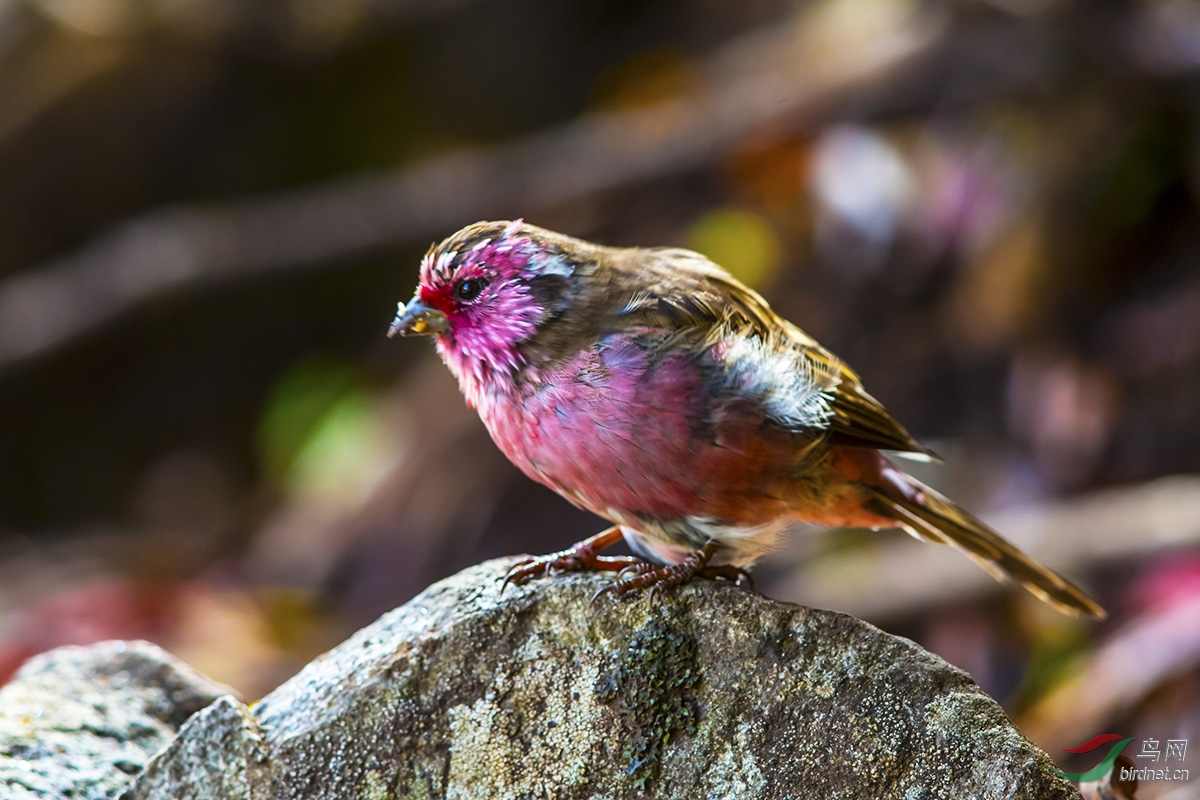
417,319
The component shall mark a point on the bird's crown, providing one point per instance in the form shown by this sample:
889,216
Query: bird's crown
504,248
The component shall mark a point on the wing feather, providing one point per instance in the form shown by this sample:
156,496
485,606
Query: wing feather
686,294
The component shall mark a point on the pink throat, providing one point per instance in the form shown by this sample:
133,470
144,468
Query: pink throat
480,379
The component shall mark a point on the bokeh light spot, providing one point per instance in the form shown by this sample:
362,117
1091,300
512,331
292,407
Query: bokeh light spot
741,242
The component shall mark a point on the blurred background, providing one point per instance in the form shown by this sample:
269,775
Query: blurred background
209,208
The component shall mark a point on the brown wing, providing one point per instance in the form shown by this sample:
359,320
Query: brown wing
684,291
860,421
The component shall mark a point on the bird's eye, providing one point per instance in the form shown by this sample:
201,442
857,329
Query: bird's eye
468,289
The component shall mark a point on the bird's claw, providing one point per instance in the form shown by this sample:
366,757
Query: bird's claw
632,573
580,558
619,586
603,590
659,578
515,574
522,571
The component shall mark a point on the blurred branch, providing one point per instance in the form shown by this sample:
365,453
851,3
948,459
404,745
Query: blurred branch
49,51
766,78
903,576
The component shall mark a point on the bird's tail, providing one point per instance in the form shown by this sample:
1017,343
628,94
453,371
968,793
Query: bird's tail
934,518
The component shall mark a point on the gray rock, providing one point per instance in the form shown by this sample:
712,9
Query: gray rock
80,722
219,753
711,692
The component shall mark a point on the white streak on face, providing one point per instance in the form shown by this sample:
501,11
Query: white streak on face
553,265
441,266
779,378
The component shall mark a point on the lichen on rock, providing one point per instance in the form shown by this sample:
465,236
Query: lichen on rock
650,687
710,691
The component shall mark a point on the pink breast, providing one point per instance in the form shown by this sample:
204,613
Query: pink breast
629,440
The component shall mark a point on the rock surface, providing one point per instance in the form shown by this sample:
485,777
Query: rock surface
219,755
711,692
82,721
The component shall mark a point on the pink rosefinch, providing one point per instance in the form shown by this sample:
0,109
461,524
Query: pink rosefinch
651,388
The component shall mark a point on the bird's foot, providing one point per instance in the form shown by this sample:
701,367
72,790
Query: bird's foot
582,557
662,577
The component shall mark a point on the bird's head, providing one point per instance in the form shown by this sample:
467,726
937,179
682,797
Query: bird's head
485,291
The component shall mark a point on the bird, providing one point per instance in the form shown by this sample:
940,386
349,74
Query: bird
652,388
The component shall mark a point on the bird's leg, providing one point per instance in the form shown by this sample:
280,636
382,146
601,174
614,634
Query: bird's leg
660,577
581,557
